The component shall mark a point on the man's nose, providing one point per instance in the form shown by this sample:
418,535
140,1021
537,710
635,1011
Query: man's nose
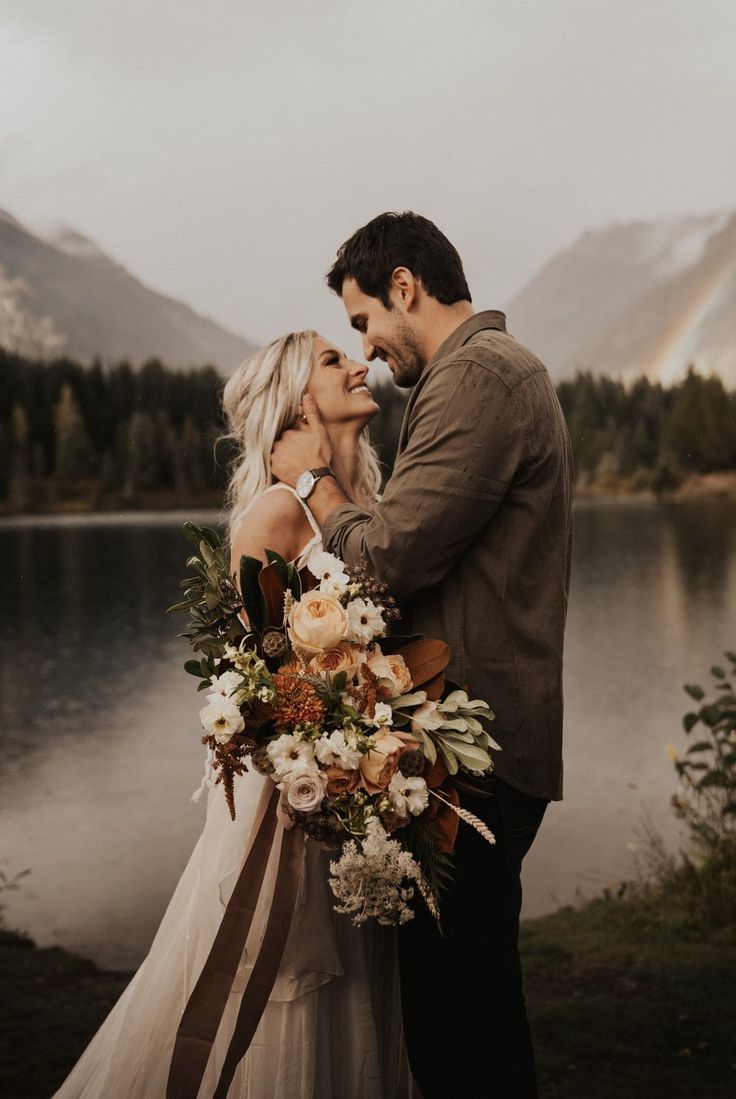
369,350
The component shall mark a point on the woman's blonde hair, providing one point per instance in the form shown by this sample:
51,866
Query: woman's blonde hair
261,399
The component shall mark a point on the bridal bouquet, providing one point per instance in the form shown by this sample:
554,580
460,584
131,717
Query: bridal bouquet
359,730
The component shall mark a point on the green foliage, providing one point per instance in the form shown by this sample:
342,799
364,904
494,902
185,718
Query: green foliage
155,428
706,800
211,599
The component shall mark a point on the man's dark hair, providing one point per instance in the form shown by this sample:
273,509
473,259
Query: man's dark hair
400,240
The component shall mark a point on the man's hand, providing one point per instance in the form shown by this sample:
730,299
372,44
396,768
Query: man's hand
304,447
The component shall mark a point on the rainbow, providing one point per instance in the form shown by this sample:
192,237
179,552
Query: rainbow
680,345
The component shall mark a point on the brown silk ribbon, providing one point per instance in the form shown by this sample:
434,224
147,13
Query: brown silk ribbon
203,1013
269,956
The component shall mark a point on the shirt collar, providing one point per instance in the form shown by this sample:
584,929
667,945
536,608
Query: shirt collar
488,318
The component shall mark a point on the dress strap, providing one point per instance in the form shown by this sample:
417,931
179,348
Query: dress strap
312,521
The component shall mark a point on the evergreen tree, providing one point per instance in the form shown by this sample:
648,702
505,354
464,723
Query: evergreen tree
74,454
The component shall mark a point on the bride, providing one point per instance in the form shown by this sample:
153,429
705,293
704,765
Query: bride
332,1025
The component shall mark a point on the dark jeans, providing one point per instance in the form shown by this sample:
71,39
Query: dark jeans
463,1004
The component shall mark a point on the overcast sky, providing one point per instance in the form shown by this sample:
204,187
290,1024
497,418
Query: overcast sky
223,150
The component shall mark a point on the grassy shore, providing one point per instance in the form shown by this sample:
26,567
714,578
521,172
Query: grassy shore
625,1002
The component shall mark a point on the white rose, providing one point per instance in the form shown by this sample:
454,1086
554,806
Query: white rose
317,622
305,791
408,795
221,719
382,714
365,621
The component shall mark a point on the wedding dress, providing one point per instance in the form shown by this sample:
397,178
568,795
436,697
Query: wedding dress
332,1025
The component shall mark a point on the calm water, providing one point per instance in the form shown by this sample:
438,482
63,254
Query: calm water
100,738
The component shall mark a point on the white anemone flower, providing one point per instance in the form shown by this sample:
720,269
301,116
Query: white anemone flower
330,571
221,719
365,620
225,685
408,795
289,754
334,751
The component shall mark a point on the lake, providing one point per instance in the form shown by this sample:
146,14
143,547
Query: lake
100,736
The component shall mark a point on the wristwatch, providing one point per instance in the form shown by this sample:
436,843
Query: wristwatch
308,479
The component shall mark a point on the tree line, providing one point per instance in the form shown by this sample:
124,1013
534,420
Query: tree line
114,436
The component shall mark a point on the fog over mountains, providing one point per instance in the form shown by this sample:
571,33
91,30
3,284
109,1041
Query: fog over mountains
61,295
639,298
628,299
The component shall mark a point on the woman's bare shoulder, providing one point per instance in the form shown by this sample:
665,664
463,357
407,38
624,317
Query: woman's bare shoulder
275,521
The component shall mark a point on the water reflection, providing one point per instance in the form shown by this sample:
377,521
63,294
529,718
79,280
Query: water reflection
100,740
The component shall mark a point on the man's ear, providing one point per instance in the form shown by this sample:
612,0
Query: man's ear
404,288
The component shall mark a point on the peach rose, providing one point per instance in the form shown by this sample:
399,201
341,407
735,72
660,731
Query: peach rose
393,668
340,781
345,657
317,622
380,763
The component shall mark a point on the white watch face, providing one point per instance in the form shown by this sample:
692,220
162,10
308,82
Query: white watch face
304,485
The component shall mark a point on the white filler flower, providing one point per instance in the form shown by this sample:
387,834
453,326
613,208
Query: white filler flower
221,719
369,881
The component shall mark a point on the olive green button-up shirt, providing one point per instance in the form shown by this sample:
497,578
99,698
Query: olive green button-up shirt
473,535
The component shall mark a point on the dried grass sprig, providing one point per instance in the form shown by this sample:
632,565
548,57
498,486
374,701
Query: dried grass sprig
428,896
468,817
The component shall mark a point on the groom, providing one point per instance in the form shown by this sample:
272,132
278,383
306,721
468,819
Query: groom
473,536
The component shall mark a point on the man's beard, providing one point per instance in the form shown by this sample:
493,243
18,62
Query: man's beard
408,359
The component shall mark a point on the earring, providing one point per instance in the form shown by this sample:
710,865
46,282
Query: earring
303,418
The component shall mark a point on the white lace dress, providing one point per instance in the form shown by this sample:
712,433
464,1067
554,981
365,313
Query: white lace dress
332,1026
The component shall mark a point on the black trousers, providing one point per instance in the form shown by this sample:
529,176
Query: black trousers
465,1020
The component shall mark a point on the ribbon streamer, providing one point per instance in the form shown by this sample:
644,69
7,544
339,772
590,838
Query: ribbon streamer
204,1010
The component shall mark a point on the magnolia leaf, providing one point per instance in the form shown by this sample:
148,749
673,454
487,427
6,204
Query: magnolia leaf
695,692
193,667
689,721
394,642
273,588
250,591
425,660
435,688
700,746
717,672
280,564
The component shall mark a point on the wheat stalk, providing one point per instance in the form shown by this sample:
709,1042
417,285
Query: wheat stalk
468,817
427,895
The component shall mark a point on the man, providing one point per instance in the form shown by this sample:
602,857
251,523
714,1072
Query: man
473,536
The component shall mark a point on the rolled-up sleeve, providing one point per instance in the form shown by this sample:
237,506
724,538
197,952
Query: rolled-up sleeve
466,443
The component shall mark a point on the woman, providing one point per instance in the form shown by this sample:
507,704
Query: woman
331,1029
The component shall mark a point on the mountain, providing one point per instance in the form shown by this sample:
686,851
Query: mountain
63,295
639,298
